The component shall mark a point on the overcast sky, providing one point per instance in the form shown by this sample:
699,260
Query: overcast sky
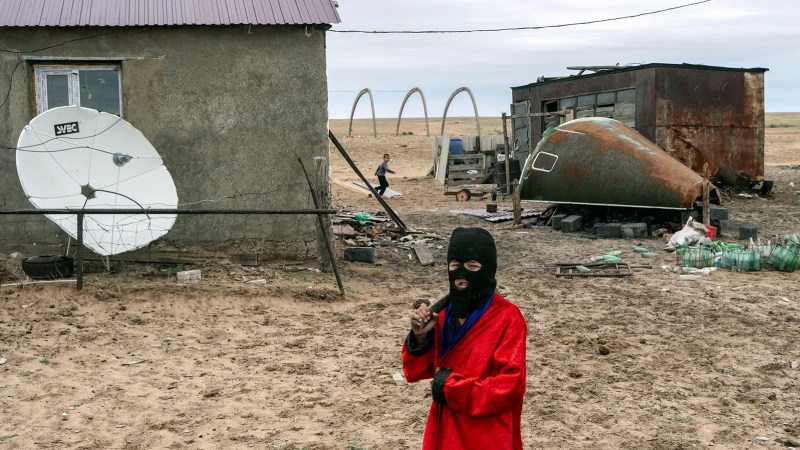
729,33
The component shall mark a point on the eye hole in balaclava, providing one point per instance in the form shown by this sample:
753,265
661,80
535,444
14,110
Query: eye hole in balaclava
471,244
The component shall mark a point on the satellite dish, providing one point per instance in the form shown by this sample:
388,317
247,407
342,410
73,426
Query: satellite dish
73,157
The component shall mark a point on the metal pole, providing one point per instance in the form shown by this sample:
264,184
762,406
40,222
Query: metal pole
508,155
517,204
79,269
91,211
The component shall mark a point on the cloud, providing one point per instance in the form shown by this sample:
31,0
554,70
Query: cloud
730,33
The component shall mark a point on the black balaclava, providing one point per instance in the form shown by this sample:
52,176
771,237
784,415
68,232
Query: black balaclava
468,244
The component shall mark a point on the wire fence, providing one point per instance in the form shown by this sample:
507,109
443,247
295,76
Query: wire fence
264,231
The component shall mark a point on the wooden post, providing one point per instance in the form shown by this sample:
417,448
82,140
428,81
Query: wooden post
706,200
517,204
325,235
508,155
323,188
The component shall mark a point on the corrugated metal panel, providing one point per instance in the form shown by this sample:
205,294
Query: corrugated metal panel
66,13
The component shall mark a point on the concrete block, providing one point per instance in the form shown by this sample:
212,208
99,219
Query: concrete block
571,224
718,213
747,232
188,276
634,230
424,255
362,254
608,230
556,221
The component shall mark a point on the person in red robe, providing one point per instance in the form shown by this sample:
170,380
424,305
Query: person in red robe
475,352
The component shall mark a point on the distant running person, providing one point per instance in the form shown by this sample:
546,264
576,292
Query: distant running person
380,172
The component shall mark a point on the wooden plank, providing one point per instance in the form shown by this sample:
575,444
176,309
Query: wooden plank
322,186
356,189
465,167
145,255
424,255
444,152
475,158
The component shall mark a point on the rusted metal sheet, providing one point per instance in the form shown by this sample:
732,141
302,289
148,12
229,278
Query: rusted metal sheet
714,117
695,146
601,161
66,13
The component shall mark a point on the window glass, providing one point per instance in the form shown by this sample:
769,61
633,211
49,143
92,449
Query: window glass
95,86
100,90
606,98
544,161
585,100
626,96
567,103
57,90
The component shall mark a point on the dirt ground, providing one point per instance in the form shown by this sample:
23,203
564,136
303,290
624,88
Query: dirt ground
137,361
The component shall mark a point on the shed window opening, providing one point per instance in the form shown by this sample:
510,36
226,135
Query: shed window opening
89,86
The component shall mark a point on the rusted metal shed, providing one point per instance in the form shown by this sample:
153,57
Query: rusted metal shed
698,114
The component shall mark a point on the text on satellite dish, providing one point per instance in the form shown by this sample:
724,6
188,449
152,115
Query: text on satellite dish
66,128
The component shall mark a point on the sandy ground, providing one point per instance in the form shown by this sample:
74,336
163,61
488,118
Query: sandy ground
141,362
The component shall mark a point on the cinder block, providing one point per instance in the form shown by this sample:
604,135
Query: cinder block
571,223
188,276
556,222
608,230
718,213
634,230
362,254
747,232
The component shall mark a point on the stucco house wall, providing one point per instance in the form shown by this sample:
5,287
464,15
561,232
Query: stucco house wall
230,109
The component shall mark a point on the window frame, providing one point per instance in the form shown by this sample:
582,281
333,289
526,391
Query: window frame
72,70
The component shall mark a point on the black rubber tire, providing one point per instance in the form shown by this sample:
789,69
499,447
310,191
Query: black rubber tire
463,195
48,267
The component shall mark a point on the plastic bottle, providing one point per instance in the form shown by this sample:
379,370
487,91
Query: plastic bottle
690,277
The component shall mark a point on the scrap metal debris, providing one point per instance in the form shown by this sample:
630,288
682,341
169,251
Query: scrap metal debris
499,216
360,229
599,269
601,161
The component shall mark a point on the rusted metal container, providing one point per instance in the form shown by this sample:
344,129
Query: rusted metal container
601,161
698,114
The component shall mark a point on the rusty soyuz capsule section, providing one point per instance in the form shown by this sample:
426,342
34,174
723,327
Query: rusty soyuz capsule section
601,161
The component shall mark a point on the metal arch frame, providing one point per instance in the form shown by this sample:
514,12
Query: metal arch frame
353,111
474,107
424,108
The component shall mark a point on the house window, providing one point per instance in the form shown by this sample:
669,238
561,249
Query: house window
90,86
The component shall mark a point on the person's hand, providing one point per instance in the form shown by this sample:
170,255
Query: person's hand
422,322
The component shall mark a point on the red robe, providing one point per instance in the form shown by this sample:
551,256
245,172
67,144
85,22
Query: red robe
485,390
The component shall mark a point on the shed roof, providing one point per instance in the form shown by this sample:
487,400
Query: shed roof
630,68
121,13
